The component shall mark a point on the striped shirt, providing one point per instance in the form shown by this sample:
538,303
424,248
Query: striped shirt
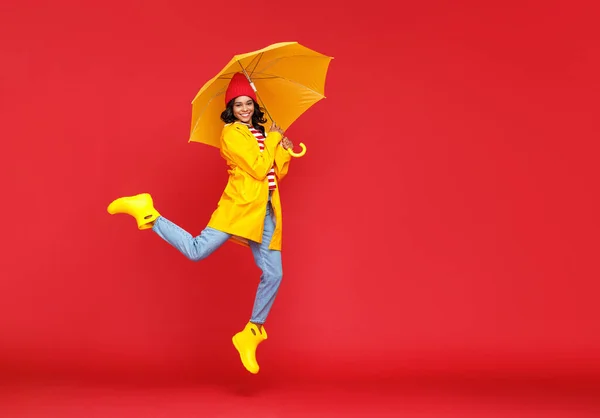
261,144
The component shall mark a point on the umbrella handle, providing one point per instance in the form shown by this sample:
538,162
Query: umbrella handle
298,154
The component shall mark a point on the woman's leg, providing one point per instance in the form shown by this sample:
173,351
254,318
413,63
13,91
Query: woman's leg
194,248
269,262
141,207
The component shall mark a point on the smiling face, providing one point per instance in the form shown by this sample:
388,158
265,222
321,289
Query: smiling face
243,108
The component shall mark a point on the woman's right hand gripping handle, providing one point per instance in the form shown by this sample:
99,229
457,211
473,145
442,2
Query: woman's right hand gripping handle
275,128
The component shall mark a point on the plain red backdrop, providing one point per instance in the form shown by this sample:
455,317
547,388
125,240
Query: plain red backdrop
444,217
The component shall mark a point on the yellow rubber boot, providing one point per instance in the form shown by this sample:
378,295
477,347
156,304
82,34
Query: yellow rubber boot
139,206
245,342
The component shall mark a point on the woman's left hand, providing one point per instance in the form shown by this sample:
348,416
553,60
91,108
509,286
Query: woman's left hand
286,143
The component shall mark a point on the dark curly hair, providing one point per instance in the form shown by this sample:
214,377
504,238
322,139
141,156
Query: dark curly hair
258,117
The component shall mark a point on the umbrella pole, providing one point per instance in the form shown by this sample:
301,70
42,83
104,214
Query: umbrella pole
292,153
256,91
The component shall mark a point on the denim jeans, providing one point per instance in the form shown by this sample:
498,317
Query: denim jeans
210,239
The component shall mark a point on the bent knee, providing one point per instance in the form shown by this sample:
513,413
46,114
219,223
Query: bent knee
194,256
274,277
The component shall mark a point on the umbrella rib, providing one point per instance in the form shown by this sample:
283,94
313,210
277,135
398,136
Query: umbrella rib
269,64
291,81
245,69
258,58
276,60
257,62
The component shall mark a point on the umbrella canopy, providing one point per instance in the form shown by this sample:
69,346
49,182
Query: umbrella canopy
287,77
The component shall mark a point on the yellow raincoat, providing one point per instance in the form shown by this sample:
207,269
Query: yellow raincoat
243,204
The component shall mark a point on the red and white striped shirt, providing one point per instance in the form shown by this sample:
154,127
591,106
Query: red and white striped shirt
261,144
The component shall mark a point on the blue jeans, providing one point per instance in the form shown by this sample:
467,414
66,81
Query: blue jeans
203,245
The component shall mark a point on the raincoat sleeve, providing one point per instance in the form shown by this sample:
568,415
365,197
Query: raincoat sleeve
282,162
236,147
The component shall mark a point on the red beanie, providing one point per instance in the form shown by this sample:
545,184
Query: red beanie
239,86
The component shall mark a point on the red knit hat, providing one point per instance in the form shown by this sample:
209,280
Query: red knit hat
239,86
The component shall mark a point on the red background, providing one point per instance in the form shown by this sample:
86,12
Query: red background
444,218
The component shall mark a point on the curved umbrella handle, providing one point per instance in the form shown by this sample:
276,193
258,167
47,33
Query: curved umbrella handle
298,154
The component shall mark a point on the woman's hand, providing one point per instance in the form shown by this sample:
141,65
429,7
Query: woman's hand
286,143
275,128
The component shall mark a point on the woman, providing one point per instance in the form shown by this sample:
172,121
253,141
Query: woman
249,211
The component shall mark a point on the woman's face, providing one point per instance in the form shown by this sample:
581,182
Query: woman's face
243,108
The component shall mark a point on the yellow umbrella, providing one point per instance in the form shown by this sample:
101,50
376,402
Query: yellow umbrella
288,79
